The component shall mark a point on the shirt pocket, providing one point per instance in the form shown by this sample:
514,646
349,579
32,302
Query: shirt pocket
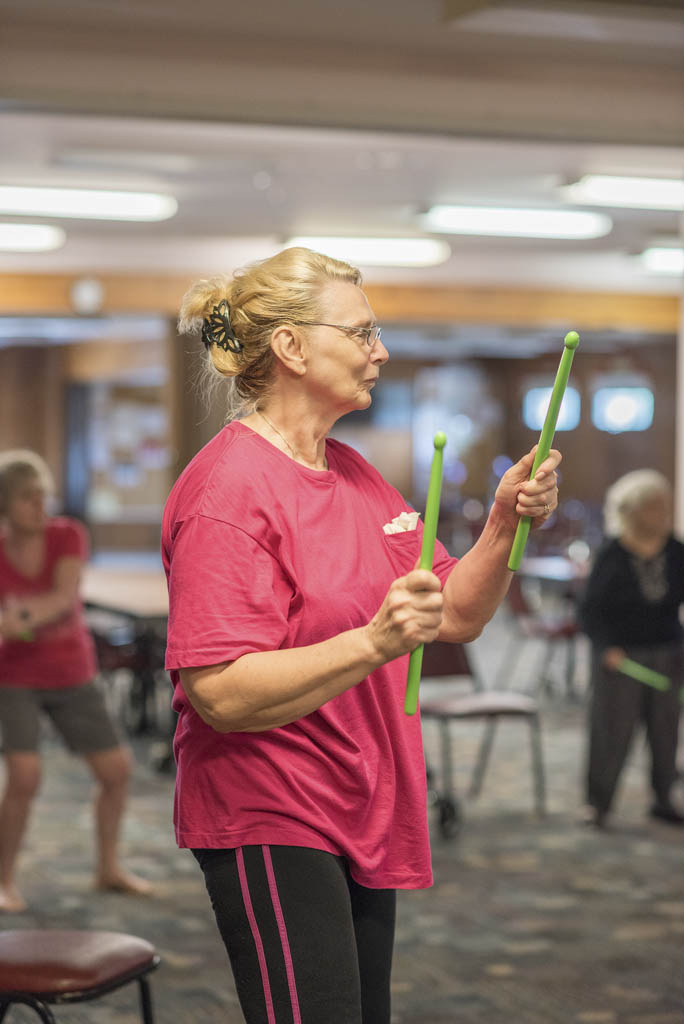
403,550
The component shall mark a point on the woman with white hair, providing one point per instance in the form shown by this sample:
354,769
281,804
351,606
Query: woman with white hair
631,608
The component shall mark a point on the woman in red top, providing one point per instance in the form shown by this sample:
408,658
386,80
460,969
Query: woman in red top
47,666
301,782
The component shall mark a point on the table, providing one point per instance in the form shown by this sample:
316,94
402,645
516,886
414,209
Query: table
136,593
140,595
555,568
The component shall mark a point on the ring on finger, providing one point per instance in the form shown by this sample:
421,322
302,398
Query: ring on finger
546,509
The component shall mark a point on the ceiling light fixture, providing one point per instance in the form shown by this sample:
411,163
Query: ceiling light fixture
30,237
96,204
620,190
517,223
379,252
664,259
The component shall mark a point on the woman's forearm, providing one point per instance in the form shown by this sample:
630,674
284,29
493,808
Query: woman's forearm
477,585
45,608
268,689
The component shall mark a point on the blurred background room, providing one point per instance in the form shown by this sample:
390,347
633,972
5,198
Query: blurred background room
502,172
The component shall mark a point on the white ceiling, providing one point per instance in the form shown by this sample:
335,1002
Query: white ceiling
308,117
243,190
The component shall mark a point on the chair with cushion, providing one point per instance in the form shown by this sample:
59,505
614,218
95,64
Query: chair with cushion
442,661
39,968
551,630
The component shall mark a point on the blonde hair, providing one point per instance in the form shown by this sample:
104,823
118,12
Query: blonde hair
630,492
16,466
261,296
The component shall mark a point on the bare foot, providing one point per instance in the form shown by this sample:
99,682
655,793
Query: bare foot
123,881
11,900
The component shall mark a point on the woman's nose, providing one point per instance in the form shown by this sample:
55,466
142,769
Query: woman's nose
379,353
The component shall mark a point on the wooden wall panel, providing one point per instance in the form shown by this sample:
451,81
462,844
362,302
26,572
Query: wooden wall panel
24,295
32,403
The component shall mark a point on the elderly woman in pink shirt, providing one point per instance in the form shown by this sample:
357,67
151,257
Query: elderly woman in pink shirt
301,782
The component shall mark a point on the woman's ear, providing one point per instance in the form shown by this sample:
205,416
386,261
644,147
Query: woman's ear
288,347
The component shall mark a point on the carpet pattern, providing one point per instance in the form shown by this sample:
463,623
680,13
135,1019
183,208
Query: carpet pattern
529,921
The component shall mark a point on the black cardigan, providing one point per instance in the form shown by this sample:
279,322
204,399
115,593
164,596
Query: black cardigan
613,611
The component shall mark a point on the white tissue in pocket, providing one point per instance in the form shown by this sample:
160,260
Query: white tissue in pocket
402,523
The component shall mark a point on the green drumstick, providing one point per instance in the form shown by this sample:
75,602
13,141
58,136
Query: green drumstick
426,557
643,674
545,440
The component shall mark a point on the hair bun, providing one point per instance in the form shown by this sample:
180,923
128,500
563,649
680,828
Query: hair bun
227,363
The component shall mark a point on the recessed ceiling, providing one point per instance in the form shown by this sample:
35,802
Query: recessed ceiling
269,120
243,190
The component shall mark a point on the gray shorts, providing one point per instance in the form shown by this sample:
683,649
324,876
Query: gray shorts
78,713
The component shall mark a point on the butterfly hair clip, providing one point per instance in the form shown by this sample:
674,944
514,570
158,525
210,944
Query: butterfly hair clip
216,329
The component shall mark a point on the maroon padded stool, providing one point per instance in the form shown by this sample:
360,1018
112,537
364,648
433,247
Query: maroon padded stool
46,966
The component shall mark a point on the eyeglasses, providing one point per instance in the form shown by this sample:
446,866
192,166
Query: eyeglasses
367,334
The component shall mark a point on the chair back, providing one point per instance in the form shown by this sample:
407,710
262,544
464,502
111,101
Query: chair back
441,659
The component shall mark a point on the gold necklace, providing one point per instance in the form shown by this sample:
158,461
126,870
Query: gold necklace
273,427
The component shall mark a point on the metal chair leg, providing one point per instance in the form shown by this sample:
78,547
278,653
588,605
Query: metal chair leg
570,668
538,767
482,757
43,1011
447,766
544,682
514,648
146,1001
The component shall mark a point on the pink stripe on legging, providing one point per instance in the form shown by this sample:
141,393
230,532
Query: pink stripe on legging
296,1016
255,935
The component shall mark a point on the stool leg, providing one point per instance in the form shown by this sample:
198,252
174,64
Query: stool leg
483,757
538,767
43,1011
146,1001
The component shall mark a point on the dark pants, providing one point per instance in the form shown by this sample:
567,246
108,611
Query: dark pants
307,944
618,705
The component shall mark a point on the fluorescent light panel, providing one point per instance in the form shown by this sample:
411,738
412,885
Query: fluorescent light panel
619,190
379,252
30,237
665,260
517,223
92,204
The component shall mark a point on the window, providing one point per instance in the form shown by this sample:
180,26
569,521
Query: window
536,403
617,409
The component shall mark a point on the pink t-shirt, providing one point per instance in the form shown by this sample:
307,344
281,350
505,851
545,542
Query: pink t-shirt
61,653
262,553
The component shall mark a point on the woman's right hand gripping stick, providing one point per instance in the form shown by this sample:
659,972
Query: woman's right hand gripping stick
410,615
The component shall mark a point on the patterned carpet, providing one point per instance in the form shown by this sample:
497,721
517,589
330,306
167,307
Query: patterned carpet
529,922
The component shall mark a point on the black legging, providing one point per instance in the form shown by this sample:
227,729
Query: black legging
307,944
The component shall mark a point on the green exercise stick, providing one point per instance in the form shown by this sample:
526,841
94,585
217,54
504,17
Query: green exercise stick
642,674
426,557
545,440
